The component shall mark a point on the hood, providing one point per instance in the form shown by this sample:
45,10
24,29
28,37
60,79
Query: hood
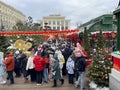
69,59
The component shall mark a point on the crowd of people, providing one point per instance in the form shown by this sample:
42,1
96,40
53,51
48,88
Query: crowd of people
47,62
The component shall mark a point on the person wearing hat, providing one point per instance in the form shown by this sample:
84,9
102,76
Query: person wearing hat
17,64
9,62
80,66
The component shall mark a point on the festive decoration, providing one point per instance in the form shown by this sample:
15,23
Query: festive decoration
100,43
88,62
105,34
3,43
19,43
49,37
22,45
113,34
101,65
86,42
48,32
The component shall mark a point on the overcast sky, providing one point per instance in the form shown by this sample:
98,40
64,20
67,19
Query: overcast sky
78,11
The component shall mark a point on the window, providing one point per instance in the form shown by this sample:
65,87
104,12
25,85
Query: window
49,22
53,22
62,28
58,23
54,28
58,28
66,22
62,22
66,27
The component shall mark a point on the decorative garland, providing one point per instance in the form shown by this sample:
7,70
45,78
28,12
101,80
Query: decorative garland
46,33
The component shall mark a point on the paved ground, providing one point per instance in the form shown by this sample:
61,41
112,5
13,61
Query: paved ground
20,85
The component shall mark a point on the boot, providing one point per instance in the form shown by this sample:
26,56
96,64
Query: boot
26,80
62,81
55,83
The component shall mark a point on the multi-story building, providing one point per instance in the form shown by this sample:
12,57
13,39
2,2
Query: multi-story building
55,22
9,16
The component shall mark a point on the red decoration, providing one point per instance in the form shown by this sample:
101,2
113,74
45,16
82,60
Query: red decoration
88,62
49,32
116,63
106,35
109,57
113,34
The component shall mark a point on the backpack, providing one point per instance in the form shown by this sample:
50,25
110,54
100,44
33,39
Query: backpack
63,60
46,60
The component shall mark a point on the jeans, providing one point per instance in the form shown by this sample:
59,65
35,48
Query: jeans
45,74
81,80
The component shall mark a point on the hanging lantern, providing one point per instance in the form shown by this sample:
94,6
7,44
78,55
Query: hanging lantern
113,34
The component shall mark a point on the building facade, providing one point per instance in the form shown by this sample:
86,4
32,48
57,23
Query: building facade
55,22
9,16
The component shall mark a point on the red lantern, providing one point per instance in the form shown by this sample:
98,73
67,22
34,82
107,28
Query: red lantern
113,34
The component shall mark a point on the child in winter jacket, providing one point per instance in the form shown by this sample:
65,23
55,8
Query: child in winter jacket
70,69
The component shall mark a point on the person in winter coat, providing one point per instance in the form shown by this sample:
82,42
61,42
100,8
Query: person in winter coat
30,67
9,62
23,59
2,69
58,55
17,64
70,69
56,70
45,56
51,62
39,66
66,53
80,67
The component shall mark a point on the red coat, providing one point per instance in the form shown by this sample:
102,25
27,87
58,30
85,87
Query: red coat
9,62
39,63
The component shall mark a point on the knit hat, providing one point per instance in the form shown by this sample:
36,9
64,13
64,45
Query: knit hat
79,51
